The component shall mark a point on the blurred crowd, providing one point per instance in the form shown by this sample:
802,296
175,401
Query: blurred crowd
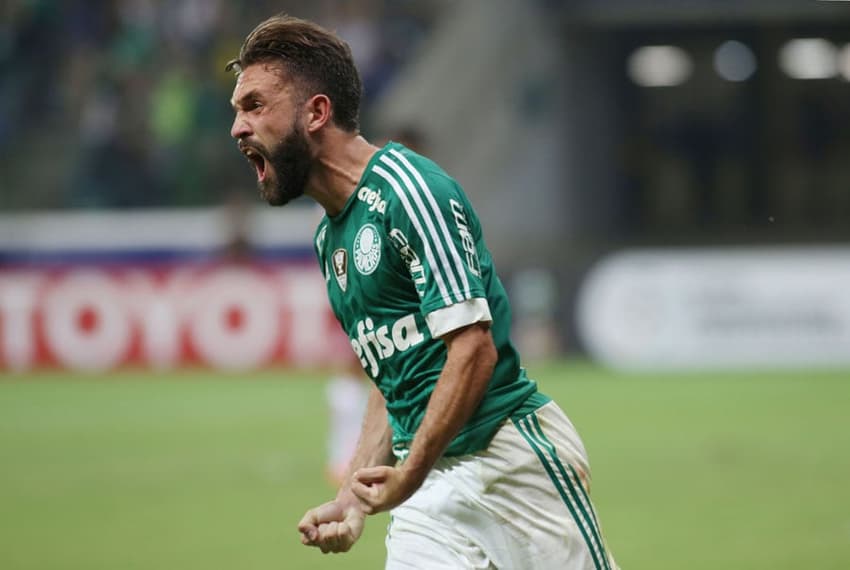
125,103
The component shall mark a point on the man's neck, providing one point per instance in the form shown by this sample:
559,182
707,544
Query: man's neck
338,170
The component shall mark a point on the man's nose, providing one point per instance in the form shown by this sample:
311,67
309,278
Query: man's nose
240,128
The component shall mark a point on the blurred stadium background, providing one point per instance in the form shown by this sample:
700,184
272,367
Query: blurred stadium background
666,190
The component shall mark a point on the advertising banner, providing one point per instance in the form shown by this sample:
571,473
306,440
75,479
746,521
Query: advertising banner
718,308
162,289
225,316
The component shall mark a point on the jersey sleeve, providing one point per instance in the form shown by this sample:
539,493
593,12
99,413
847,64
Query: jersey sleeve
430,225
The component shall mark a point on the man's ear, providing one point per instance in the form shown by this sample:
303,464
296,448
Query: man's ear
318,112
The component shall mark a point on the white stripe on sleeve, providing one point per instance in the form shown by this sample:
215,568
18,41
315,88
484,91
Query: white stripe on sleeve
426,217
459,315
429,255
438,214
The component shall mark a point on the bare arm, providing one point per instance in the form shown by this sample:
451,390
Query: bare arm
462,383
375,444
336,525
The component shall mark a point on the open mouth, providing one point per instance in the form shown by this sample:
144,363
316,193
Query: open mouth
258,160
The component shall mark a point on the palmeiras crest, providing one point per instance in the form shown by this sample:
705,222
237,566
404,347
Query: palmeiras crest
367,249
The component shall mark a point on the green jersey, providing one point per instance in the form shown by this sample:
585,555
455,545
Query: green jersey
404,264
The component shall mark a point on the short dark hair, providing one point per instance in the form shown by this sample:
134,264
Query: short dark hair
317,58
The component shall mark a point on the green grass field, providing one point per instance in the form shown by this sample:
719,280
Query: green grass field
205,471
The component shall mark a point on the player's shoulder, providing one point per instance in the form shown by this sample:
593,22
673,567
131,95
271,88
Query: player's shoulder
406,178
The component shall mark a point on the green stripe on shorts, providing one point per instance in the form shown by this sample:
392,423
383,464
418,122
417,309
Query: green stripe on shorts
574,482
524,428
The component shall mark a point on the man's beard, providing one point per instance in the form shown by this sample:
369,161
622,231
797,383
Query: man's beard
290,167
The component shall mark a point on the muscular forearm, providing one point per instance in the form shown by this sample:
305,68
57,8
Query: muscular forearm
375,444
336,525
462,384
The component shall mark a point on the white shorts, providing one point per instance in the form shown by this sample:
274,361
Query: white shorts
521,503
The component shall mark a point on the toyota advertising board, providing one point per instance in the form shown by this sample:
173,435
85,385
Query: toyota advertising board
99,292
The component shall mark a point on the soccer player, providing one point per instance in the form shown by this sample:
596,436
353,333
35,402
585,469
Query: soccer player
478,468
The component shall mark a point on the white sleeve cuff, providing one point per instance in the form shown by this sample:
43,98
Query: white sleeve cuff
459,315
